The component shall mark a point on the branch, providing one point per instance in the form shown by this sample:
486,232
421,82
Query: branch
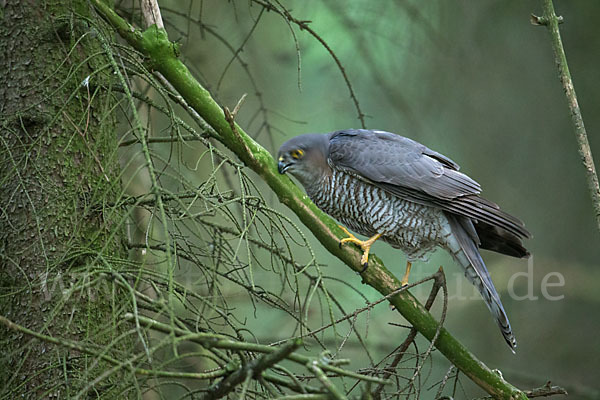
162,56
545,391
100,353
304,26
151,13
551,21
255,368
211,340
439,280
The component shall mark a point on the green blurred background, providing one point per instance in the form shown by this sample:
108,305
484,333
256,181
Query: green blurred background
473,80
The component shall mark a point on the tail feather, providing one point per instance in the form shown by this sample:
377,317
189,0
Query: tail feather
499,240
465,251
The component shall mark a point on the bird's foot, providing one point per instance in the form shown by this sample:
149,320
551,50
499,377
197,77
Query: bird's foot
404,281
365,246
350,239
364,267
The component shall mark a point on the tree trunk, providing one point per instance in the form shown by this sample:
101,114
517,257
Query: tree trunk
58,171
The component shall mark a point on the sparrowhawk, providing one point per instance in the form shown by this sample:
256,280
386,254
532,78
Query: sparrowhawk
382,185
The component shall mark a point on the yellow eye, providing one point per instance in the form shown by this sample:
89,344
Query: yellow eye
297,154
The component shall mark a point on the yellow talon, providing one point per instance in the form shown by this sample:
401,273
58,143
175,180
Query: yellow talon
404,281
365,245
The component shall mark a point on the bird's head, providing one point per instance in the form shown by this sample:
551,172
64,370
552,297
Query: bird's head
305,157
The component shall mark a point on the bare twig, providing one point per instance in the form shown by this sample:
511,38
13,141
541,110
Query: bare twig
439,281
369,306
304,26
551,21
239,49
322,377
164,139
230,118
445,381
172,92
224,342
253,369
544,391
262,109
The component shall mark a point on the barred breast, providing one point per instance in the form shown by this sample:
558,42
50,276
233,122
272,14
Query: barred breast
414,228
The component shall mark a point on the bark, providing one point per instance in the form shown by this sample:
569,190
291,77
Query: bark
56,171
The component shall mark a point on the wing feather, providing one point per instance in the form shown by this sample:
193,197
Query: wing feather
412,171
384,157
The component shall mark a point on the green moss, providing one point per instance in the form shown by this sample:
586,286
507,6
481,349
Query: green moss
57,187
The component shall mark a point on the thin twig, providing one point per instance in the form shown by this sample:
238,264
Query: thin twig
304,26
239,49
439,281
315,367
83,137
230,118
86,348
253,369
369,306
444,381
543,391
262,109
224,342
551,21
164,139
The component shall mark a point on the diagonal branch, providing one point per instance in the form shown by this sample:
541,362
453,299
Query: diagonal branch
162,55
551,21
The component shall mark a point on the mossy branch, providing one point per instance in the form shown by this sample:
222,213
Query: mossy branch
551,21
211,340
162,55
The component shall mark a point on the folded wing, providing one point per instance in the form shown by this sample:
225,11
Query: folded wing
414,172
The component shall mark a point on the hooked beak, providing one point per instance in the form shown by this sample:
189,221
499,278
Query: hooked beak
282,167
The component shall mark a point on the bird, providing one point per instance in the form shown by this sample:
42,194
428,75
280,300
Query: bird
391,188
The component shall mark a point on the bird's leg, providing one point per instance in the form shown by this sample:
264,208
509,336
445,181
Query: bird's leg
404,280
365,245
